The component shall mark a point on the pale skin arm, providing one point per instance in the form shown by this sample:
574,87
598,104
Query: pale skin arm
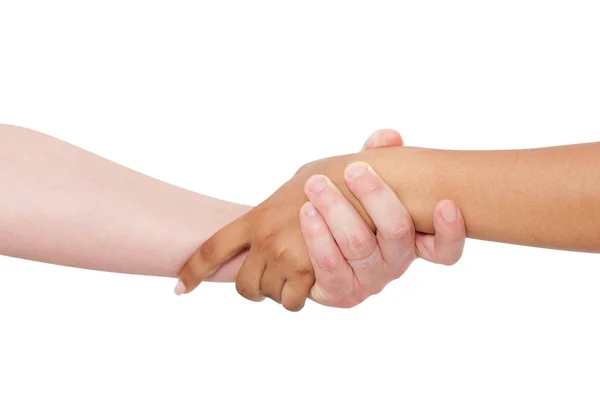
62,205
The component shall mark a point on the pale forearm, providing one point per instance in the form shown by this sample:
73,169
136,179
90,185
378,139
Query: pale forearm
63,205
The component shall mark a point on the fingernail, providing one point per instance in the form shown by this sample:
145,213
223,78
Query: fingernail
449,212
309,210
179,288
317,184
356,170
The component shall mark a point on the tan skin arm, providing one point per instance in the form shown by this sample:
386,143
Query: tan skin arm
547,197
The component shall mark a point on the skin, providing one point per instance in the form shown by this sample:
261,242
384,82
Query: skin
547,197
62,205
351,263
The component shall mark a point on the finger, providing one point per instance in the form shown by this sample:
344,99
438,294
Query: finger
334,276
219,248
272,282
300,280
383,138
395,229
353,236
447,245
228,271
248,279
290,268
295,292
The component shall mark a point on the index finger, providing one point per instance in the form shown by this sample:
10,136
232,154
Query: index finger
213,253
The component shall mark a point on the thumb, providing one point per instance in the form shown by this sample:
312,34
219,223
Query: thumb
383,138
447,244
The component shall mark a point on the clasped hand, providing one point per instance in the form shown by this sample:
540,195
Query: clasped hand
335,249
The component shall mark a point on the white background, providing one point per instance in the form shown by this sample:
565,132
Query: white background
230,98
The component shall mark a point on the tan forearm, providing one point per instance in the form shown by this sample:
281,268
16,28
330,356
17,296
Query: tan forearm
548,197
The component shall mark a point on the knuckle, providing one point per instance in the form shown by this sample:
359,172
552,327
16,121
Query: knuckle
267,243
327,262
282,255
270,239
207,250
397,230
359,244
304,273
370,261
